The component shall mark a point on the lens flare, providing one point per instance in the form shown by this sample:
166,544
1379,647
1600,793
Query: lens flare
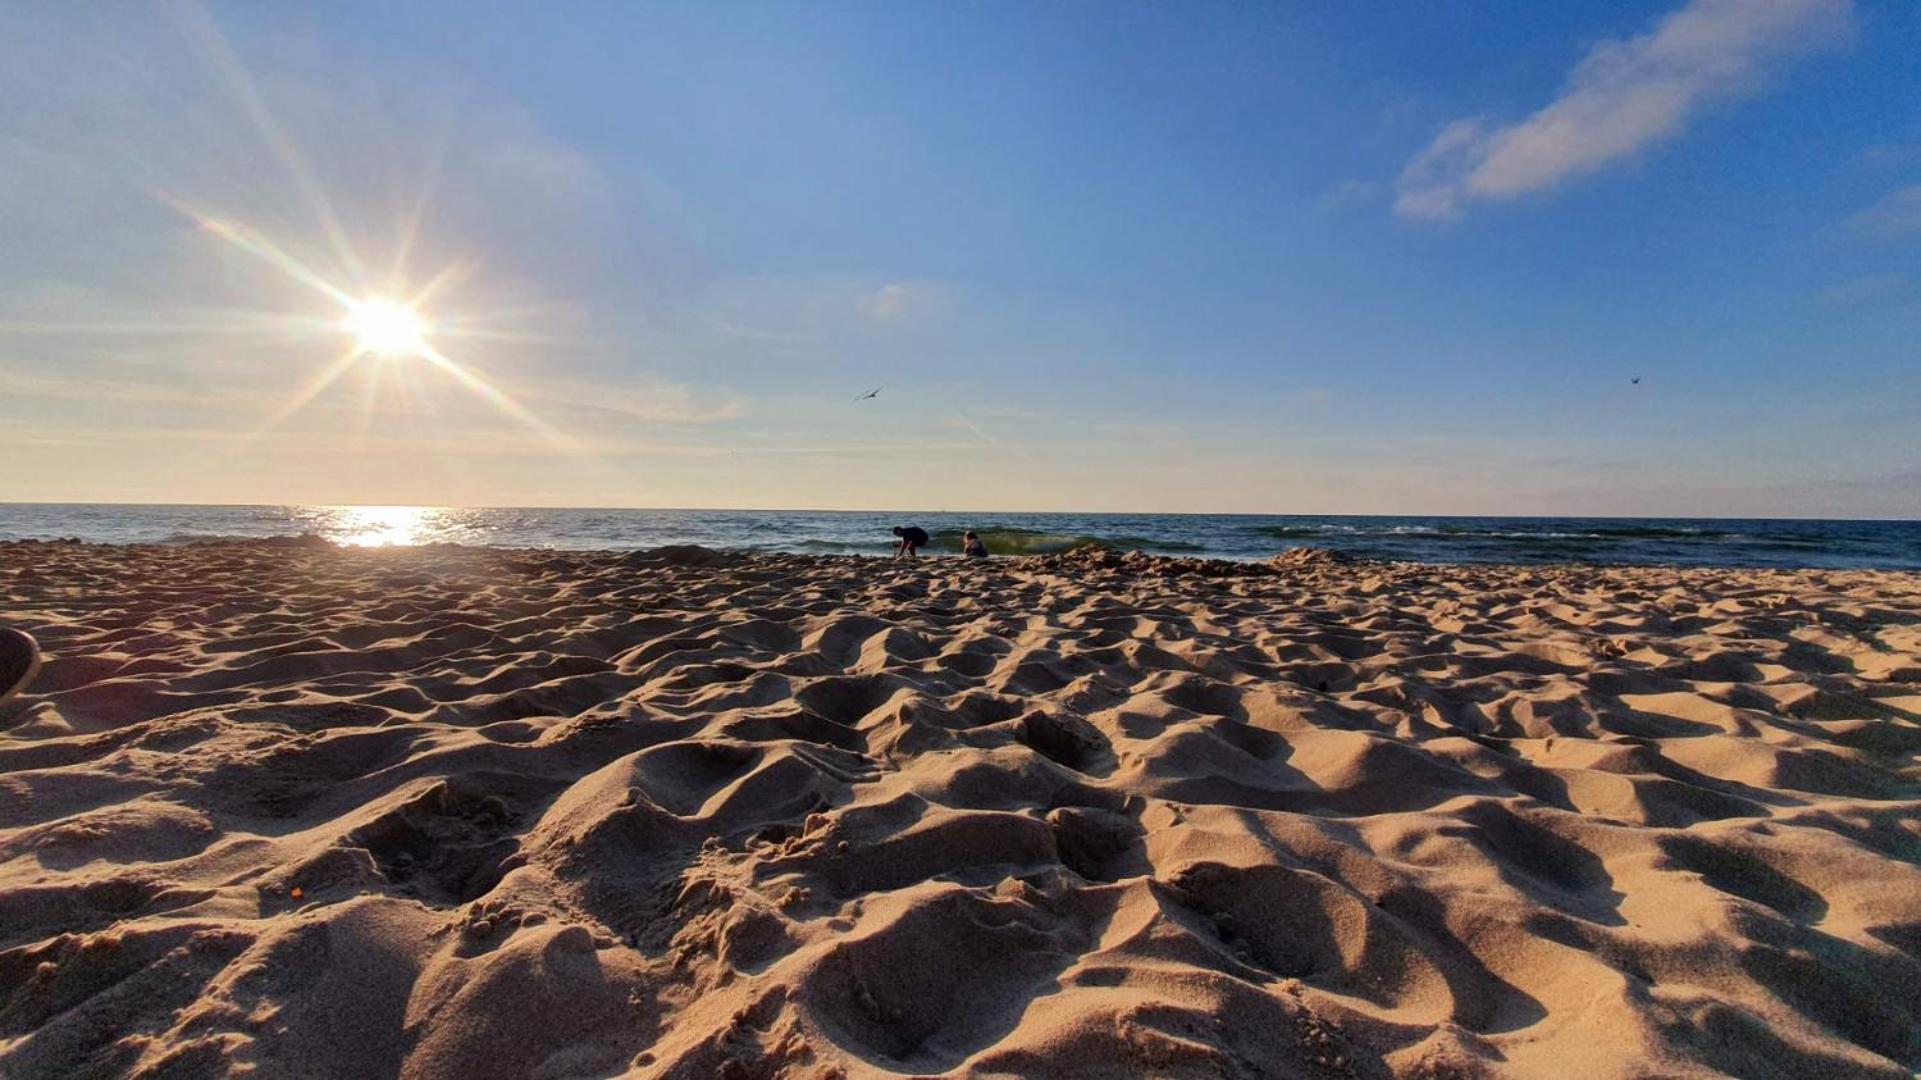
381,317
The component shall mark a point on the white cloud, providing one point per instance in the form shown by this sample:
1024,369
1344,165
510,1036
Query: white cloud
1624,96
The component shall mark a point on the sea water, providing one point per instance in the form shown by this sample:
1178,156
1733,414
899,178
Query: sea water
1641,541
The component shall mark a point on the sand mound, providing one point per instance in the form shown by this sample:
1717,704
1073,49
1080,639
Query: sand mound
1093,559
304,810
1309,558
677,555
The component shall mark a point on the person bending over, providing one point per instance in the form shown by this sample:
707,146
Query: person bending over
912,539
971,546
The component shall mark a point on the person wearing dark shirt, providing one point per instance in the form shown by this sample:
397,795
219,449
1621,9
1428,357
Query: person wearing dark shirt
912,539
971,546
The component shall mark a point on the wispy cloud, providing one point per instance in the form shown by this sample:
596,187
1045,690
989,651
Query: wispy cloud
1624,96
816,316
1870,289
640,401
1897,214
859,450
1349,193
98,389
899,301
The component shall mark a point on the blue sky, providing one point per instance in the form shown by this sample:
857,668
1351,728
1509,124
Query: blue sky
1290,258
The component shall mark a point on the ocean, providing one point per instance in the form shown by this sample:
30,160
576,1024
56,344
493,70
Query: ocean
1626,541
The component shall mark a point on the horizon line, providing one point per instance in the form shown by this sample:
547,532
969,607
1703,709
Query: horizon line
972,511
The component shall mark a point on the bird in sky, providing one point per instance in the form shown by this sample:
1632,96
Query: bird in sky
1636,380
874,393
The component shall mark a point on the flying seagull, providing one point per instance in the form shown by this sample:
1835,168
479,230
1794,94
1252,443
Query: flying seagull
874,393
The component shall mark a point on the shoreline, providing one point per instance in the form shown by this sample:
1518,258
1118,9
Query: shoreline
1167,562
490,811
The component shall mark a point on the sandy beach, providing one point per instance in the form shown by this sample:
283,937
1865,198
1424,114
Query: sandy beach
466,812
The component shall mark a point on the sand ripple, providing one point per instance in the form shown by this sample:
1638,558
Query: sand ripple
472,813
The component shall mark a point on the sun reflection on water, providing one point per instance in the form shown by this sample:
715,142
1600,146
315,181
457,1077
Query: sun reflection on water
383,526
397,526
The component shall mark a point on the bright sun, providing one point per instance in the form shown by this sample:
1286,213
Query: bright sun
385,328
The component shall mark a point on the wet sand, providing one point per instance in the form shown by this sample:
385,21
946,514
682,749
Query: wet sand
451,812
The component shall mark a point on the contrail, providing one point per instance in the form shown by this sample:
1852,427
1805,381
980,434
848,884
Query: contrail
990,440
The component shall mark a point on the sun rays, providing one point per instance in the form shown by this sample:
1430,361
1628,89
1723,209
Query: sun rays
387,325
380,329
312,288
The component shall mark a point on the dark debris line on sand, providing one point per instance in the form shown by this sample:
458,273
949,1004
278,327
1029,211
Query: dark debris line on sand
1095,558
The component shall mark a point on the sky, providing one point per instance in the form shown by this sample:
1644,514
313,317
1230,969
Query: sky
1218,257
